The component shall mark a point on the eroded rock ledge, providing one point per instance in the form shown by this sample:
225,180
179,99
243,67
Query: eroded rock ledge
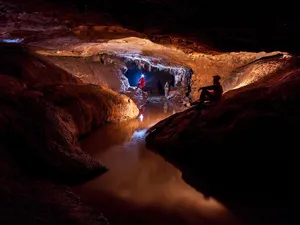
240,151
42,114
44,110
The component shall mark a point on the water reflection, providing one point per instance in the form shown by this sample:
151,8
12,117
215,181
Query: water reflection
15,40
141,117
141,187
165,107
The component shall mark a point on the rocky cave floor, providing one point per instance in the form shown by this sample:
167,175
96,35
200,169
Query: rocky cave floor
66,78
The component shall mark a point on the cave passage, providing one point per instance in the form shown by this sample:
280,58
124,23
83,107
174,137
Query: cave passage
156,78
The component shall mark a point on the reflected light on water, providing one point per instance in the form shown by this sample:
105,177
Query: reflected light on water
139,134
141,187
141,117
16,40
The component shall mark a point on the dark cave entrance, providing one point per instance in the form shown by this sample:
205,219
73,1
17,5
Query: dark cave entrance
156,77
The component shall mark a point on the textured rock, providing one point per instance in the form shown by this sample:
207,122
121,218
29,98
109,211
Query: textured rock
95,70
263,98
44,110
42,94
86,42
39,140
255,70
91,105
68,110
239,150
229,28
137,95
224,64
39,202
148,55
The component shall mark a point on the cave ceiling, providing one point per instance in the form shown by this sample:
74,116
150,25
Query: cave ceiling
172,35
225,25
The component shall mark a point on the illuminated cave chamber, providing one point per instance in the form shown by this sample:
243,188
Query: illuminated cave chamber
156,74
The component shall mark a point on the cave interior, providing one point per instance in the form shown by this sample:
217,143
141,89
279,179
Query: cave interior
81,144
156,76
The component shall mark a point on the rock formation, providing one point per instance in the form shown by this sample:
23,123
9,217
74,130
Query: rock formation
239,150
228,151
44,110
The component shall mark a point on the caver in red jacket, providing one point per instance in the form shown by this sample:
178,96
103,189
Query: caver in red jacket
142,82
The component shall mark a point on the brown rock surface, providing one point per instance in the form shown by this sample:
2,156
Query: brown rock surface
44,110
40,104
241,150
77,43
92,70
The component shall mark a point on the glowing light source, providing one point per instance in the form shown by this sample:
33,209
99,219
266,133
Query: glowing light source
141,117
139,134
16,40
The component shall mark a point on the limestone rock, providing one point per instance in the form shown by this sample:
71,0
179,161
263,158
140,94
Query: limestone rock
44,110
228,150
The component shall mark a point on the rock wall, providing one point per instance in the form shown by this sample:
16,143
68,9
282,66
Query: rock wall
241,150
225,64
44,110
95,70
255,70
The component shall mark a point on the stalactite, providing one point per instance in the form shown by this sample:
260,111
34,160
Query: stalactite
136,62
126,60
124,69
139,65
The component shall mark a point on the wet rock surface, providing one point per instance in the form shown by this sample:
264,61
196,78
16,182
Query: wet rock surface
226,25
141,187
41,104
137,95
240,151
44,110
88,35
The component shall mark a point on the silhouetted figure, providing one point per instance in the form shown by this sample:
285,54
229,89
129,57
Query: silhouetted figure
167,89
187,101
160,88
212,93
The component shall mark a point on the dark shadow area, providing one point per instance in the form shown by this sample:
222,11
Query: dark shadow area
226,25
241,151
39,151
140,186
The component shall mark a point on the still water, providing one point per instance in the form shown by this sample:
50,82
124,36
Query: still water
140,186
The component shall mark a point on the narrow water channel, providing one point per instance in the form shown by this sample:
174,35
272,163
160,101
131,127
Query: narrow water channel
140,186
